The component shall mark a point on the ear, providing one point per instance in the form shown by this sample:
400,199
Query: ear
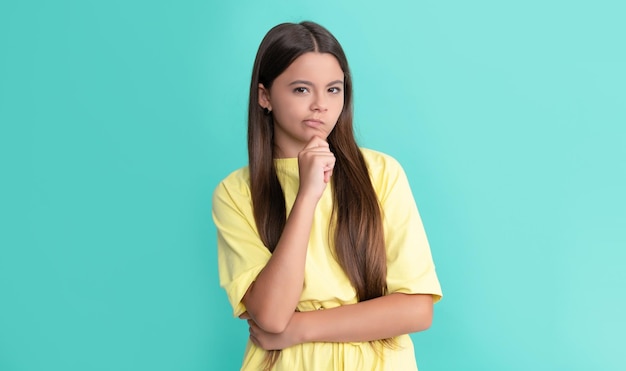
264,97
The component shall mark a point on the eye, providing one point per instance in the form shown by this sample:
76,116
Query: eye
301,90
334,90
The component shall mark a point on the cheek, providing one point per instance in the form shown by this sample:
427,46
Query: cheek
338,106
339,101
287,111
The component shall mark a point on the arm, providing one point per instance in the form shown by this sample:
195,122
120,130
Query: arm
272,298
384,317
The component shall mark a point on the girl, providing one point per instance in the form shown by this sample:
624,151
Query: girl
320,245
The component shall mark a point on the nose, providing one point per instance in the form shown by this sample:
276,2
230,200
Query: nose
319,102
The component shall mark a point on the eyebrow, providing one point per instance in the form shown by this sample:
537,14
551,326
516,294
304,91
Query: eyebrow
304,82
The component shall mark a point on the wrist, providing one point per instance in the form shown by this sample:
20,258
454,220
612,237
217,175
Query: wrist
306,200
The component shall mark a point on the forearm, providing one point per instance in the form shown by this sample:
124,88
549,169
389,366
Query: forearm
385,317
272,299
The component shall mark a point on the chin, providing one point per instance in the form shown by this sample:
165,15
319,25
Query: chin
320,135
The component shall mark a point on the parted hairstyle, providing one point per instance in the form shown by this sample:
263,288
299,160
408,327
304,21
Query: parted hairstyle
356,221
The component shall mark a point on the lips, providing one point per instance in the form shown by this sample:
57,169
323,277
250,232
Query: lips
313,123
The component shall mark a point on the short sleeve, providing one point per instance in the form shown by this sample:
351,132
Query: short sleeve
410,267
241,254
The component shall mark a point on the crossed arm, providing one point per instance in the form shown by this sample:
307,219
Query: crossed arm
384,317
271,300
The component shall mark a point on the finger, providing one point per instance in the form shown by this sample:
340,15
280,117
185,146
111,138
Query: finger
327,175
245,315
316,142
254,340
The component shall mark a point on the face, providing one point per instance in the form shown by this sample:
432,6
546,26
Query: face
306,100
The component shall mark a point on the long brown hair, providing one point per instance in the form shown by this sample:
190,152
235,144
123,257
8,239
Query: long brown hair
358,230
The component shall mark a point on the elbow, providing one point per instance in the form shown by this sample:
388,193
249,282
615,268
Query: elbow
424,322
266,315
269,320
423,313
271,323
420,324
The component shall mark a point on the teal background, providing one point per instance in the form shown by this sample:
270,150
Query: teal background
118,119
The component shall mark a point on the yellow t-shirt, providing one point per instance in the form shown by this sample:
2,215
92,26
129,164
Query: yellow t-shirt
242,255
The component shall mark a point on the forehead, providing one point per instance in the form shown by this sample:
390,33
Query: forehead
314,66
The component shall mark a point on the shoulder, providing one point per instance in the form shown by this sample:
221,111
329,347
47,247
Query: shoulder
387,175
234,187
380,164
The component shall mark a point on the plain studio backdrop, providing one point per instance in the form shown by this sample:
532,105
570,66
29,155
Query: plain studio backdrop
119,118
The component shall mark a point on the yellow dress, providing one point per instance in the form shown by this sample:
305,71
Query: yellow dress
242,255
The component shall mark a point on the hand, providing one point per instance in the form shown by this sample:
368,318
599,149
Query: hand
272,341
316,163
